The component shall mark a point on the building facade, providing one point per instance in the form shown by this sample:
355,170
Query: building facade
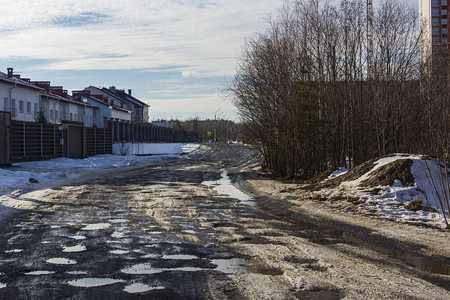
435,26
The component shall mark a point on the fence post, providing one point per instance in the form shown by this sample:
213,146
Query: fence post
42,144
24,140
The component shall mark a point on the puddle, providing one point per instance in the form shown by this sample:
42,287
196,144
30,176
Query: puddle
77,272
229,266
45,242
2,285
40,273
117,235
97,226
180,256
141,269
224,186
147,269
92,282
14,251
116,221
77,237
141,288
61,261
190,231
120,252
77,248
178,217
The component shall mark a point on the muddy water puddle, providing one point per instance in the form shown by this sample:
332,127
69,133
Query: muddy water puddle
225,187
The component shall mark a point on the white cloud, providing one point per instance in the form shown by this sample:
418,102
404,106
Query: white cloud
203,37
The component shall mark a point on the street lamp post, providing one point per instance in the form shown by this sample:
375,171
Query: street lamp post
215,124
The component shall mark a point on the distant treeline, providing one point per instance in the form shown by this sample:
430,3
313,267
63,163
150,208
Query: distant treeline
310,93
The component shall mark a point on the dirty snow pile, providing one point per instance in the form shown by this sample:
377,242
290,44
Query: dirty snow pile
430,189
19,174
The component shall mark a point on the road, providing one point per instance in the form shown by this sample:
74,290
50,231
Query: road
177,229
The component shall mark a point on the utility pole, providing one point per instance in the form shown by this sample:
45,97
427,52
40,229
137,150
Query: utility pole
369,40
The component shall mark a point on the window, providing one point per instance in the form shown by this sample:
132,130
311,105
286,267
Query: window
435,22
51,114
436,31
435,12
75,117
56,115
21,106
28,107
435,3
71,116
6,103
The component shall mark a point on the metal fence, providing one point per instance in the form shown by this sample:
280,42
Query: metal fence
35,141
130,132
5,138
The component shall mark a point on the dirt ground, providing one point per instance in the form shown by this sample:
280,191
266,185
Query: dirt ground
165,230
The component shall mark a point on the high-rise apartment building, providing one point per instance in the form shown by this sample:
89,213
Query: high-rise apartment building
435,25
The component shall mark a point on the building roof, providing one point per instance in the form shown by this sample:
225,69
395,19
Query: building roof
123,96
15,79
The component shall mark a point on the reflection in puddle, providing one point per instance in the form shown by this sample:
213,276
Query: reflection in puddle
97,226
77,272
61,261
119,252
229,266
141,288
91,282
77,237
224,186
180,256
190,231
77,248
14,251
40,273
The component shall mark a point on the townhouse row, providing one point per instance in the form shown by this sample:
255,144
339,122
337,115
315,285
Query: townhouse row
32,101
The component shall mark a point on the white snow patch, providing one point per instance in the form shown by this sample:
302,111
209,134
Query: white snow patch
390,202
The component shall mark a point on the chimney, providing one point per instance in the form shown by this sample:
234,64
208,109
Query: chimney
129,92
10,72
112,88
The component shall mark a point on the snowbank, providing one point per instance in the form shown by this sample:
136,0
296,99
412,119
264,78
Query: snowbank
390,201
19,174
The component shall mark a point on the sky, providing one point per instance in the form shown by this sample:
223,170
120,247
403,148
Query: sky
175,55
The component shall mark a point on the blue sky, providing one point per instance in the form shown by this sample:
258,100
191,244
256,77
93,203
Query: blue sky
176,55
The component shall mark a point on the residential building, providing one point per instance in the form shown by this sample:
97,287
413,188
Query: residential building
435,26
107,110
120,98
19,97
25,99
